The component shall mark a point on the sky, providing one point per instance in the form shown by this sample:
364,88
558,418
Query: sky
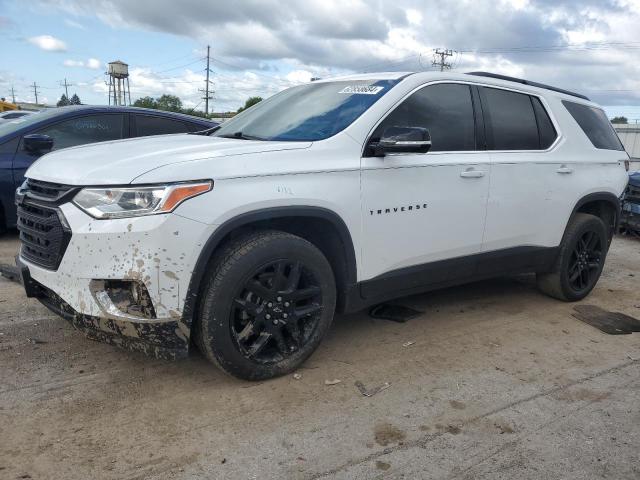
259,47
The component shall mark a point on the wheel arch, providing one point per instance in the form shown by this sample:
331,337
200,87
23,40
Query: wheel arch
604,205
322,227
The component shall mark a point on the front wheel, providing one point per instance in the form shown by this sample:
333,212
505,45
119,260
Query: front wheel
267,303
580,262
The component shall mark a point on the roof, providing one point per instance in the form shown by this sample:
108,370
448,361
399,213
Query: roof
126,109
479,77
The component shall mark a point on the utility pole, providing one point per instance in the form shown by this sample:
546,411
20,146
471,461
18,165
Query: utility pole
13,95
443,54
206,92
66,87
35,91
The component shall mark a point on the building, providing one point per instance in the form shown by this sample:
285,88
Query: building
630,137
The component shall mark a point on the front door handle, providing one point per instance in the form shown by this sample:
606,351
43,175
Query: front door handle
472,174
564,169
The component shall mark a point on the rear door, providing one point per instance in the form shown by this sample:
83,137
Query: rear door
526,201
423,214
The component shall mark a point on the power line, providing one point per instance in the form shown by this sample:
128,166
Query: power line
442,54
207,82
66,87
35,91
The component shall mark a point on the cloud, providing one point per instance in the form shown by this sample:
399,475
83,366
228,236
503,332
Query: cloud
73,63
92,63
74,24
335,36
48,43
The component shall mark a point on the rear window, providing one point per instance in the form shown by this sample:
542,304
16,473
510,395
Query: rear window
595,124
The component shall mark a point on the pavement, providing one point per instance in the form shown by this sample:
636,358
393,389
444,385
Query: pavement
494,381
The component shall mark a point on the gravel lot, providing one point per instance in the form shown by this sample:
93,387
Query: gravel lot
499,382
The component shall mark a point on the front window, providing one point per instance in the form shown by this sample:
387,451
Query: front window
307,113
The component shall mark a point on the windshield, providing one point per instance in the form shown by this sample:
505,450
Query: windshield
307,113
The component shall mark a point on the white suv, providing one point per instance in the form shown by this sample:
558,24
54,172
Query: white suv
327,197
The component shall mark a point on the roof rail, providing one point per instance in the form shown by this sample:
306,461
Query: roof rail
527,82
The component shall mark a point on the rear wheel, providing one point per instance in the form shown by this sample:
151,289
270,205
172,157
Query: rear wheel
580,261
267,304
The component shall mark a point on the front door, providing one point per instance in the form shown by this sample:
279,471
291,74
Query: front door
423,215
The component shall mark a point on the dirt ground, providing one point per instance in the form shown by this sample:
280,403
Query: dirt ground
499,382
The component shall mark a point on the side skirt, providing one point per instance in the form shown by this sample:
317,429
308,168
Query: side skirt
448,273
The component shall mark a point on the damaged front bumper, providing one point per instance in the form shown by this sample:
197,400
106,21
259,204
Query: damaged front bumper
122,281
164,339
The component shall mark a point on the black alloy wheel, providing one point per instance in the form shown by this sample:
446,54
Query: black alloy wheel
276,311
586,261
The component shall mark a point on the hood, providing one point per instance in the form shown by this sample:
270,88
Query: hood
121,161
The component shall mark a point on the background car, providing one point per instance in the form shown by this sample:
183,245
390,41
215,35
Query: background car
12,115
630,219
24,140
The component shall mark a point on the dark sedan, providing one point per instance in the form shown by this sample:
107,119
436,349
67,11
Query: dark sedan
24,140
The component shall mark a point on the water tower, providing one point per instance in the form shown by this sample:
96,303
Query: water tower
119,83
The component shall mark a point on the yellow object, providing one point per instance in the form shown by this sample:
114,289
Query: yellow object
4,106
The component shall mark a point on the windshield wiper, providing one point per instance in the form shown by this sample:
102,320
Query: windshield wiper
241,136
208,131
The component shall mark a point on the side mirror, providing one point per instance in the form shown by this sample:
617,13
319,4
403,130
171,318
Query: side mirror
38,143
403,140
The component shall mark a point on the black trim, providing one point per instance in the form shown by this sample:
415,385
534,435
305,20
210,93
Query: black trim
600,196
527,82
481,134
456,271
248,218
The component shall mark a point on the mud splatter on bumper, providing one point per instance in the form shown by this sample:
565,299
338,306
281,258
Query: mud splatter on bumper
164,339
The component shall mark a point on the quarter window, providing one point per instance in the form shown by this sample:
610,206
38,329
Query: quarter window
83,130
595,124
510,121
446,110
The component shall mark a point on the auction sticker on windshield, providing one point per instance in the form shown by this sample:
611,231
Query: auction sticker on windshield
362,89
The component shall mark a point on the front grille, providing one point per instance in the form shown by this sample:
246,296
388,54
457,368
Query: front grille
43,236
48,191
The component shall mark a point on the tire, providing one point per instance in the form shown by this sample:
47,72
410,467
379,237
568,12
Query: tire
266,305
580,261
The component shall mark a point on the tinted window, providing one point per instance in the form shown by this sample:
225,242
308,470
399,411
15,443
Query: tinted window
309,112
83,130
596,125
148,125
509,120
445,110
545,126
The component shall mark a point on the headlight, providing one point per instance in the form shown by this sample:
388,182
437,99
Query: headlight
123,202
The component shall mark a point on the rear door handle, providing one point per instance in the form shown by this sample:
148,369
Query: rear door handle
472,174
564,169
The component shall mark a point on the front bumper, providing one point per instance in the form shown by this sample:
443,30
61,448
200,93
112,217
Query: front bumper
161,339
158,252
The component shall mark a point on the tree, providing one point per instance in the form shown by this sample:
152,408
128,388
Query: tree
146,102
75,100
169,103
251,101
63,102
620,120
